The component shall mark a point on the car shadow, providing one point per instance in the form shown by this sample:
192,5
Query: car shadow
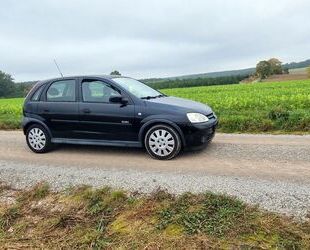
98,149
123,151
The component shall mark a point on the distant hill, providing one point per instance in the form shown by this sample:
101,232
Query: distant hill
240,72
294,65
298,71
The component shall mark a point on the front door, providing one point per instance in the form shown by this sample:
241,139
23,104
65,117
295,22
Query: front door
101,119
59,108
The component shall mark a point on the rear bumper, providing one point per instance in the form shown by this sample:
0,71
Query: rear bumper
25,121
197,136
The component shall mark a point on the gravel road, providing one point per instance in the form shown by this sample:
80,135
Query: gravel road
272,171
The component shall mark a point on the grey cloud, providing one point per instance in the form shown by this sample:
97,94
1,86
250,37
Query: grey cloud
148,38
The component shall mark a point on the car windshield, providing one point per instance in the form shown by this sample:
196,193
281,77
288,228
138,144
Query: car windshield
137,88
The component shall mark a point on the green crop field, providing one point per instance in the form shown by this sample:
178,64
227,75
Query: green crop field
260,107
11,113
278,107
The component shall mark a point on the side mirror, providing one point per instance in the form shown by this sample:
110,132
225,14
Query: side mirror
119,99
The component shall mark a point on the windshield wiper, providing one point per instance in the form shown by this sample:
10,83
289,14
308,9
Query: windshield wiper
152,97
161,95
148,97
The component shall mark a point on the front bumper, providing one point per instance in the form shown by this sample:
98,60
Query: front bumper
197,136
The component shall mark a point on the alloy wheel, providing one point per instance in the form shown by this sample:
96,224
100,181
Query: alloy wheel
37,138
161,142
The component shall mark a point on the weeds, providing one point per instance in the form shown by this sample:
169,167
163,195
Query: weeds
213,214
8,217
104,218
38,192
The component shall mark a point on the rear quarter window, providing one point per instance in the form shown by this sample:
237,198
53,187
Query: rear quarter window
37,94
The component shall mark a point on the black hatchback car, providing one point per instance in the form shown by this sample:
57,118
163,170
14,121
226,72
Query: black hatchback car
114,111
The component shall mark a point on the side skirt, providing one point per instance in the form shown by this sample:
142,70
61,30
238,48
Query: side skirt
135,144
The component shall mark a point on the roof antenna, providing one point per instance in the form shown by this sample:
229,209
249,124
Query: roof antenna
58,68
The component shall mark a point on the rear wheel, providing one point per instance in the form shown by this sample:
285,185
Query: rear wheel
38,139
162,142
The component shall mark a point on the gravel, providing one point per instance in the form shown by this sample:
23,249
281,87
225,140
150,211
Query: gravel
291,198
278,153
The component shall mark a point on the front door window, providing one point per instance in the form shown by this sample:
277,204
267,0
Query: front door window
97,91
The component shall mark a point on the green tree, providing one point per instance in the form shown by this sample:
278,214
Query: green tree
7,86
115,73
263,69
276,66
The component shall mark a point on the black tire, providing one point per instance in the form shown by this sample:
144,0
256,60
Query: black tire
30,137
155,147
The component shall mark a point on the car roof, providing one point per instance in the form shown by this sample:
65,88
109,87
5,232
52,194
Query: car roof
38,84
107,77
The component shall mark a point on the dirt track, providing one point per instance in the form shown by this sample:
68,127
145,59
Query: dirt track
269,157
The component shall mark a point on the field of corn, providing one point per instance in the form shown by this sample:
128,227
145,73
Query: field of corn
261,107
11,113
277,107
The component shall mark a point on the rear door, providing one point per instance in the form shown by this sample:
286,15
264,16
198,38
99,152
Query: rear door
59,108
99,118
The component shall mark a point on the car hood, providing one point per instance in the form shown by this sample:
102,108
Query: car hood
184,104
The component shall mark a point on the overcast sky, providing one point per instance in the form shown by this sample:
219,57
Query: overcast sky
148,38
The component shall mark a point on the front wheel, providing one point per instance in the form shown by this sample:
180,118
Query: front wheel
38,139
162,142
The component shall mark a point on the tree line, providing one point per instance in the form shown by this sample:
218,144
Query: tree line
192,82
195,82
8,88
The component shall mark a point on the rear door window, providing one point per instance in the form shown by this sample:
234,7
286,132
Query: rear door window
61,91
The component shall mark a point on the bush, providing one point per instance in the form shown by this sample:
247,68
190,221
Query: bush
279,113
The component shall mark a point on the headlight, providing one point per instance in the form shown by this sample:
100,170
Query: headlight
197,117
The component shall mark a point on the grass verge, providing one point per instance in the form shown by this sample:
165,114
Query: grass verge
83,217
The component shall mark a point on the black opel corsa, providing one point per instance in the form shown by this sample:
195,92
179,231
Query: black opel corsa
114,111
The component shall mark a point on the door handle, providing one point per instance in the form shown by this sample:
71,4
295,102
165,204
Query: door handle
86,111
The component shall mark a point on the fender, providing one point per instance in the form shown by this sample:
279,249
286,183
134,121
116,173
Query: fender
29,120
161,120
